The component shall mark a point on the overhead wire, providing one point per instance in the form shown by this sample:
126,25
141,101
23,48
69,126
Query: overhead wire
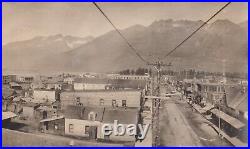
188,37
122,36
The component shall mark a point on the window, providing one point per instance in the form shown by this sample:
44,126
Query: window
78,99
46,125
101,102
212,88
113,103
56,126
124,104
86,129
92,116
71,127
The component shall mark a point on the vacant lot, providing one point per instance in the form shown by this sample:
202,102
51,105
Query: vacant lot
16,138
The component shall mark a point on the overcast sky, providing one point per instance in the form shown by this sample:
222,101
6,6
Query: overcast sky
23,21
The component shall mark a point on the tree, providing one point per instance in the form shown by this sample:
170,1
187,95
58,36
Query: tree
132,72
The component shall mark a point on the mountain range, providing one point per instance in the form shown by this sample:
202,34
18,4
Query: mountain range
221,45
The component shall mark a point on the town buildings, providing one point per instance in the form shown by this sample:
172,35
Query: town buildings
46,95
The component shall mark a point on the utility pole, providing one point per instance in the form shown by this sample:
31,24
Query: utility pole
156,104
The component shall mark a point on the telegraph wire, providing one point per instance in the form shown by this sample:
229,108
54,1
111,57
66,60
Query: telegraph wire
123,37
174,49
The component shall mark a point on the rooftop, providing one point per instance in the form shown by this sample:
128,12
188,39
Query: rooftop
124,116
14,84
237,97
80,112
106,115
92,81
7,115
52,119
108,91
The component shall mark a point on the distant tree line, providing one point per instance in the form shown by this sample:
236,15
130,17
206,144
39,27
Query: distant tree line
188,74
138,71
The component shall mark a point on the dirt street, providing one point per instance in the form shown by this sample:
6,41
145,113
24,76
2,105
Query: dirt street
181,126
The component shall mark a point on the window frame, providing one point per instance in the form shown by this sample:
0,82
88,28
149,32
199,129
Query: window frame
71,128
113,102
124,103
101,102
86,130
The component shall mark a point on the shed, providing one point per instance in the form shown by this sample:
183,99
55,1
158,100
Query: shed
53,125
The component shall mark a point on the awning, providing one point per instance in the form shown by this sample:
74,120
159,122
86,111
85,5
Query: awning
229,119
51,119
208,107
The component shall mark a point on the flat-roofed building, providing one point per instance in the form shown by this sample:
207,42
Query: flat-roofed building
106,98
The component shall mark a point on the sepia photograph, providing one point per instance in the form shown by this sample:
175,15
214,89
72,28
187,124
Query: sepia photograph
109,74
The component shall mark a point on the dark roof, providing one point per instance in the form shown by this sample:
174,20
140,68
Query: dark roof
80,112
124,116
229,119
106,115
98,110
236,98
73,112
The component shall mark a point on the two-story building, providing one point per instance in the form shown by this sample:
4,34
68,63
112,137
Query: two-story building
105,98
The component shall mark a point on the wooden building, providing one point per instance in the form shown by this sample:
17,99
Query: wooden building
53,125
121,98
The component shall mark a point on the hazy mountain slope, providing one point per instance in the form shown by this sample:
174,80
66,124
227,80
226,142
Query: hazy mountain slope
30,54
206,50
221,41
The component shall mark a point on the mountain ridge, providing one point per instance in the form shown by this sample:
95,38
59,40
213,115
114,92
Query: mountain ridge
108,52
